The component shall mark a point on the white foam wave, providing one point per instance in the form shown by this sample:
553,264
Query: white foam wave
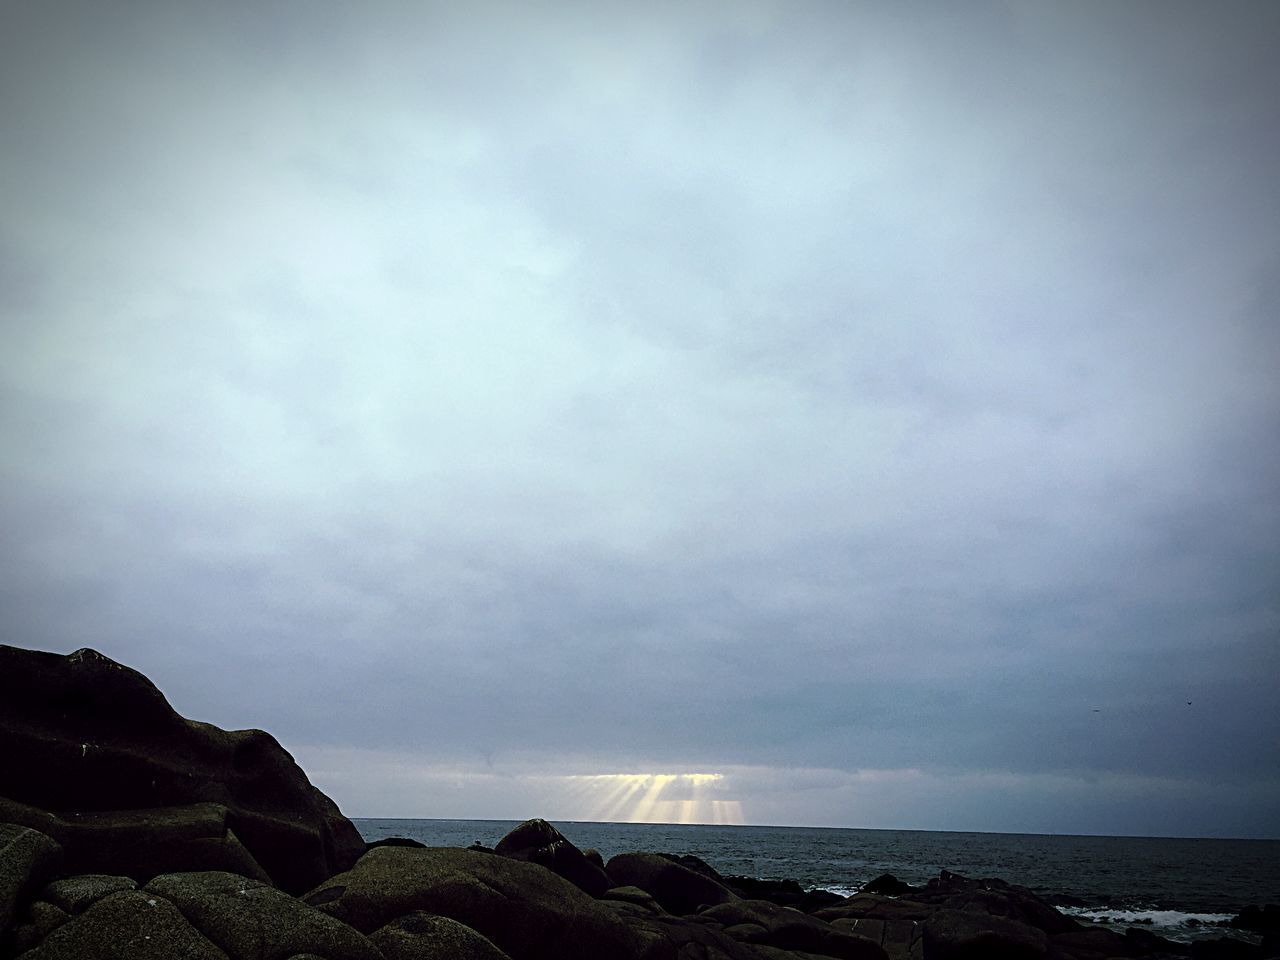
1174,924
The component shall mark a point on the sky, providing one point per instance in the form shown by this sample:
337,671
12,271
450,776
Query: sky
845,414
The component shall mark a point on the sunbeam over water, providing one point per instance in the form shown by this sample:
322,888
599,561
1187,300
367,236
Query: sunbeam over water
656,798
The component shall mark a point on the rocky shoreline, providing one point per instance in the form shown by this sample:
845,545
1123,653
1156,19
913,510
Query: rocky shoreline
128,831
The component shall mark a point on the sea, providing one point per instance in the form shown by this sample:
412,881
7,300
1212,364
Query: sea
1184,889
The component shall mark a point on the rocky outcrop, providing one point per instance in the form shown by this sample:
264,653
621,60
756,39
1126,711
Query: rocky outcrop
536,841
524,909
425,936
785,928
97,759
679,889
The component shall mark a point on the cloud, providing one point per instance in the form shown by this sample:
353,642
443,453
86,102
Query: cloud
841,389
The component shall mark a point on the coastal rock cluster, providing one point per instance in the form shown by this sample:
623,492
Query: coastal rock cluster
129,831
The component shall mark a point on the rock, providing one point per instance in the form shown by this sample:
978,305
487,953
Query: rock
634,896
1258,919
144,843
957,935
764,922
424,936
27,859
76,894
525,910
89,736
666,937
130,925
697,865
786,893
593,856
680,890
250,920
994,897
394,842
1145,942
536,841
1094,941
1224,948
888,885
874,906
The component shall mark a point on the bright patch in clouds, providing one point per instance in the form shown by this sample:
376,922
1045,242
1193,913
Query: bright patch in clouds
657,798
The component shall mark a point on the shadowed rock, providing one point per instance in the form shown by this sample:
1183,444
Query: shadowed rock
536,841
424,936
785,928
679,889
249,920
130,925
957,935
27,858
525,910
101,762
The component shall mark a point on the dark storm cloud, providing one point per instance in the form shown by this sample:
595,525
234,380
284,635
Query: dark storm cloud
875,405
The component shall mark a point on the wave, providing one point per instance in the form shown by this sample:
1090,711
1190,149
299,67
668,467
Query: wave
1172,924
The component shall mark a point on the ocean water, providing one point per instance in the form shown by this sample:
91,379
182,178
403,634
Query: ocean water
1178,888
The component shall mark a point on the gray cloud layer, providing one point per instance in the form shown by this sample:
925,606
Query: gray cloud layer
822,388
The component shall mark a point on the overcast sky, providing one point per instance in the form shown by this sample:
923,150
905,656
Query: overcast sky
796,413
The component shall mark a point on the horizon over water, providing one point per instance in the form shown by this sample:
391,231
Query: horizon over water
1178,886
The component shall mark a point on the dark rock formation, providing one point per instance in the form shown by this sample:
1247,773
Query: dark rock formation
97,759
395,842
536,841
679,889
424,936
525,910
960,935
27,859
249,920
129,924
888,885
784,928
1258,919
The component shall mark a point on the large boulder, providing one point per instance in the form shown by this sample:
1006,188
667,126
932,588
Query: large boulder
768,923
536,841
526,911
424,936
996,898
679,889
144,843
27,858
95,750
960,935
130,925
249,920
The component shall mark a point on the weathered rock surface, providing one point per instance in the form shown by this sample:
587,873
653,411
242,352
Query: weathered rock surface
27,859
424,936
77,894
130,925
97,759
960,935
249,920
524,909
765,922
536,841
679,889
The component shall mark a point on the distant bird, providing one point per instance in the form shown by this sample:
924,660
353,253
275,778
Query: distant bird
1096,710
